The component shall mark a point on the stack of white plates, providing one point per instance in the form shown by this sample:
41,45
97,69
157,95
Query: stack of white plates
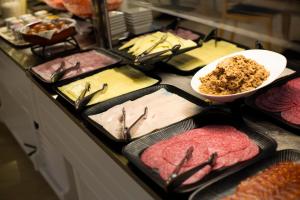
138,20
117,24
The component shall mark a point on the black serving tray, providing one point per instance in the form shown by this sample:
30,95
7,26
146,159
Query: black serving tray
124,53
275,117
227,186
85,74
266,144
102,107
173,69
78,78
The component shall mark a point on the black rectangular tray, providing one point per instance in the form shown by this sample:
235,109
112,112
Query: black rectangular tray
78,78
227,186
275,117
100,50
130,57
133,150
102,107
173,69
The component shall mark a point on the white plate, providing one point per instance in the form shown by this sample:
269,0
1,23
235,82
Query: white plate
136,10
274,62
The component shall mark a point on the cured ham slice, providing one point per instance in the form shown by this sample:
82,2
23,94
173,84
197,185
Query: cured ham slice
89,61
164,108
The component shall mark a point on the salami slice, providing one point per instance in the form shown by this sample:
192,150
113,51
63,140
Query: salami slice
292,115
275,100
231,145
237,156
295,83
175,152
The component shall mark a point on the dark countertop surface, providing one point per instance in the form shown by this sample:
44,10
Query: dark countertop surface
24,59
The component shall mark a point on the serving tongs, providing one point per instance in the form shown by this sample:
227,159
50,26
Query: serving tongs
175,180
155,57
161,40
60,72
213,34
126,131
84,100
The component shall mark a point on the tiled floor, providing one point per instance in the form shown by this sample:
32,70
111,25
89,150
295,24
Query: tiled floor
18,179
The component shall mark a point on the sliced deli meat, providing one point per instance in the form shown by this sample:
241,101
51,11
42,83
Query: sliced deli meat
284,99
279,181
231,145
89,61
292,115
164,108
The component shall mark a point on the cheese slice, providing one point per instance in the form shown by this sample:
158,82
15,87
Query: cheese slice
203,55
139,45
120,81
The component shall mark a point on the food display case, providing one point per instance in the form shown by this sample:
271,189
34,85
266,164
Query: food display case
125,111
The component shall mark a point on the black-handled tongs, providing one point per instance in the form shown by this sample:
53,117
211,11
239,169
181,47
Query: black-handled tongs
83,100
157,56
60,72
258,45
126,131
212,34
161,40
176,180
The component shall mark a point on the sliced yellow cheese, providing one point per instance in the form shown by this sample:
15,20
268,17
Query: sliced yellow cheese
204,55
129,43
141,44
120,81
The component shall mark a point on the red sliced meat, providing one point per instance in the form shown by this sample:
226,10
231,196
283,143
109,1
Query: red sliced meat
274,100
152,156
293,88
231,145
167,169
237,156
294,83
198,176
175,151
292,115
223,139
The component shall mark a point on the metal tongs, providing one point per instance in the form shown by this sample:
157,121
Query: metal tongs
176,180
83,100
126,131
161,40
60,72
212,34
146,58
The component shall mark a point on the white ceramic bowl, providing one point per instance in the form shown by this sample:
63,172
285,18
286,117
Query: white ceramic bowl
274,62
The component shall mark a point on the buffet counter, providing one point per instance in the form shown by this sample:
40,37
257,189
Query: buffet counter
91,164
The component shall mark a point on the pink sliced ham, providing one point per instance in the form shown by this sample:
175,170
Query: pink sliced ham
185,34
89,61
231,145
